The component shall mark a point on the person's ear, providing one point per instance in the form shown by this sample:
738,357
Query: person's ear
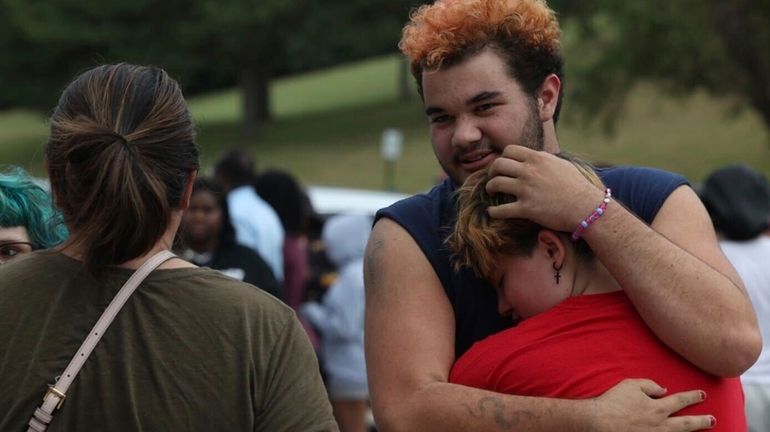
188,188
548,97
553,245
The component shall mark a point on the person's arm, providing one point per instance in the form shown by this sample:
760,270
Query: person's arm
674,271
410,350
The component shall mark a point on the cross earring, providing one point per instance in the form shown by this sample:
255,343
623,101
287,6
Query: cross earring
557,275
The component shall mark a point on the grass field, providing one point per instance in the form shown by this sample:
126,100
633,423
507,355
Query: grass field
328,127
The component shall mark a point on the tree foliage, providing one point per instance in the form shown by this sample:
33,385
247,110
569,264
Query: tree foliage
205,44
52,41
346,30
683,45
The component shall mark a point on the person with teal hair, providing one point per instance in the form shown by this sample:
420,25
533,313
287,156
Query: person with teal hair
28,218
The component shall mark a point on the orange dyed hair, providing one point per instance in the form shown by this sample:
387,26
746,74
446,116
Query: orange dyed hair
480,241
525,33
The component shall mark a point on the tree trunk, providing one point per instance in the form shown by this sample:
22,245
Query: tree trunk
404,77
256,100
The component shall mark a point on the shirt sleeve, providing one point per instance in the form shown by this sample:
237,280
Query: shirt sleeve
642,190
294,397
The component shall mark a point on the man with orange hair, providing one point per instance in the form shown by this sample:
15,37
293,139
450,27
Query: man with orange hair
490,75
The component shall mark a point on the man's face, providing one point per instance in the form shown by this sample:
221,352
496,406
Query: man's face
475,110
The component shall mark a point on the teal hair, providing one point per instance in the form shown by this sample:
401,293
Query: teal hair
24,203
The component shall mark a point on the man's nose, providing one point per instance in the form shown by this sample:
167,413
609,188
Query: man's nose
466,132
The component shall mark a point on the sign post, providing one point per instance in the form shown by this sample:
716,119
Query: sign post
391,148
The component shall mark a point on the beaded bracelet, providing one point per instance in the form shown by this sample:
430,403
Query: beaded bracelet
593,216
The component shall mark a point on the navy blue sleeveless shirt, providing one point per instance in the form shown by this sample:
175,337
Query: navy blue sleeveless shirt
429,218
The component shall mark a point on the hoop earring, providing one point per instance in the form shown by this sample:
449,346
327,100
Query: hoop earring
557,276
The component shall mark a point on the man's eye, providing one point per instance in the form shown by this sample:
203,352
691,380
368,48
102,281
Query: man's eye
440,119
485,107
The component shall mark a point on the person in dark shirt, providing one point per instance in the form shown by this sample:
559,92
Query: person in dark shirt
188,348
209,239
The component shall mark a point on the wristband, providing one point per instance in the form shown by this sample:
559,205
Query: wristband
585,223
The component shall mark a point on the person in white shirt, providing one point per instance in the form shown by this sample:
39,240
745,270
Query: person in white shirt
256,223
340,320
738,200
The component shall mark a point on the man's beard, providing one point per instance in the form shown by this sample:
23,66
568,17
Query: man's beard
532,135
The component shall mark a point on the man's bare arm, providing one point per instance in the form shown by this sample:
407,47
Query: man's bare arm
410,350
681,283
674,273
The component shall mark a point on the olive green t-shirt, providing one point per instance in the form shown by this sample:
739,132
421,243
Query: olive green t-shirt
192,350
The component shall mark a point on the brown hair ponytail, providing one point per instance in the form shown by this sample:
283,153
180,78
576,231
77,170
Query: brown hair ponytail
119,153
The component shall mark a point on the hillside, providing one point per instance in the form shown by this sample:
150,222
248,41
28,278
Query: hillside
328,127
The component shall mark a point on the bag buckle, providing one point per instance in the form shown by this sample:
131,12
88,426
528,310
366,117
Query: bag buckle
56,393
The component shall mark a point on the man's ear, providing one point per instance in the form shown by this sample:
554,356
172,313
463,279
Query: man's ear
188,188
548,97
553,245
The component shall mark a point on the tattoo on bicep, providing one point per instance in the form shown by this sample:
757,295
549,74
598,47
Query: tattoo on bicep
370,263
507,419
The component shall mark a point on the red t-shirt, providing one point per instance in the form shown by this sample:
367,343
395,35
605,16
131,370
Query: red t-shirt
583,347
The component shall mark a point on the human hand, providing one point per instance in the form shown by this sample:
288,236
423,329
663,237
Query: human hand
549,190
639,405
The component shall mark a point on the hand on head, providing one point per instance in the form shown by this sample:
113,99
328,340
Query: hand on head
550,190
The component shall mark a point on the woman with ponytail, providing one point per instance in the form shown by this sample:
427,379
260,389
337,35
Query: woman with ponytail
190,349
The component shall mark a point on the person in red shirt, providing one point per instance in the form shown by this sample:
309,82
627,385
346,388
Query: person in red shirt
579,335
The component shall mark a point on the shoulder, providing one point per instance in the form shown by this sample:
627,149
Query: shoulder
211,287
427,219
40,264
623,175
643,190
424,215
201,292
427,204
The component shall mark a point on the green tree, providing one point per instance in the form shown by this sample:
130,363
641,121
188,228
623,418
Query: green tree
683,45
347,30
206,44
248,37
202,42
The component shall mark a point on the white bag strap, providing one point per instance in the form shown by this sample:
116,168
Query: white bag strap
56,393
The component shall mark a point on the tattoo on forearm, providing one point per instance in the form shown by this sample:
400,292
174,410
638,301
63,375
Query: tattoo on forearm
507,419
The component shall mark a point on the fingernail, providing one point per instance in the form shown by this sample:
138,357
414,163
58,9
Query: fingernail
712,421
703,396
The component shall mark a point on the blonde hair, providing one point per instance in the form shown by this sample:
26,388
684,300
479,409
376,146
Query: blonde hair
479,241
